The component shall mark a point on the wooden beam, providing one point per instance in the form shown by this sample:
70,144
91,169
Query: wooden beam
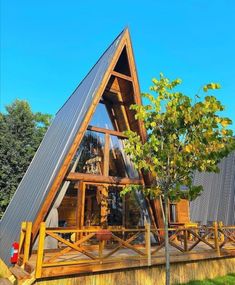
122,76
107,131
106,155
40,256
110,102
74,176
27,242
83,192
104,206
80,195
137,96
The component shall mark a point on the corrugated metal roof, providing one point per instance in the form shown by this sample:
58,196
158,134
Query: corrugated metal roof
48,159
217,201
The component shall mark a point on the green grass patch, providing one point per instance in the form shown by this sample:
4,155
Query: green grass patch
225,280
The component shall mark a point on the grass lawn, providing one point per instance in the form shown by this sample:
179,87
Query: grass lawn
225,280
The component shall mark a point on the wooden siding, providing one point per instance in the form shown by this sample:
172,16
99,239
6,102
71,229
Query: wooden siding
180,273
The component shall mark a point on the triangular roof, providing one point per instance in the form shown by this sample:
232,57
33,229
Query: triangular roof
38,187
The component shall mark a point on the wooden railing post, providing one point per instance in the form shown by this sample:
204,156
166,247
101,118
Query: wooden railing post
22,236
101,247
216,237
221,237
27,242
41,240
185,239
148,242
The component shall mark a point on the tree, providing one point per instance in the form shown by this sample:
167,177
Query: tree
21,132
182,137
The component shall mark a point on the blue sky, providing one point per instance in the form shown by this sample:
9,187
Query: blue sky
47,47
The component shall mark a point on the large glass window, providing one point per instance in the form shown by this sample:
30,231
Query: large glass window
101,117
120,164
117,166
115,206
92,211
67,210
89,157
133,217
104,206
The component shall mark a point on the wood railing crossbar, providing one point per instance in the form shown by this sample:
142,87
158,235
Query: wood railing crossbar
202,238
120,245
227,236
73,246
68,249
128,245
163,242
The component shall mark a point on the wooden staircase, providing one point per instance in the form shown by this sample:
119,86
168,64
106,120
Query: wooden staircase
23,277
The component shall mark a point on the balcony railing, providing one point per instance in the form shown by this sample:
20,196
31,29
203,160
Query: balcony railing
84,246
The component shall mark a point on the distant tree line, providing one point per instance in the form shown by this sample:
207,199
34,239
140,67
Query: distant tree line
21,131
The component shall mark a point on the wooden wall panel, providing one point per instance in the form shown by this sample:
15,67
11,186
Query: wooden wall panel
182,211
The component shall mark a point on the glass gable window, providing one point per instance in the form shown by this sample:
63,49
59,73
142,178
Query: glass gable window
89,157
101,118
120,164
117,166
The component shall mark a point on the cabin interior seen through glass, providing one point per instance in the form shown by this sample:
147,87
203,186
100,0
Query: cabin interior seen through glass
118,211
100,204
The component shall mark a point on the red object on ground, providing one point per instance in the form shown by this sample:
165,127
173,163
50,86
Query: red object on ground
14,252
103,235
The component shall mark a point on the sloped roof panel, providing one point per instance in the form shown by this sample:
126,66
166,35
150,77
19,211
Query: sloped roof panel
217,201
48,159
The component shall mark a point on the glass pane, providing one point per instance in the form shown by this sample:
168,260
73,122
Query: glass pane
115,212
133,217
90,155
68,207
105,207
172,213
92,213
120,164
101,118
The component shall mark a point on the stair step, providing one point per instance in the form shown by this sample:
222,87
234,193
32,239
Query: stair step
19,273
29,267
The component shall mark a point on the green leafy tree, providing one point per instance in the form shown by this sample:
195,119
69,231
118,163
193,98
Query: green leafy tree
21,132
182,137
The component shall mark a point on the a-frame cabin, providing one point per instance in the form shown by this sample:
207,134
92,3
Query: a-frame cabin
80,167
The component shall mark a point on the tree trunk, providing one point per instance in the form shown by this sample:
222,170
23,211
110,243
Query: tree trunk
167,254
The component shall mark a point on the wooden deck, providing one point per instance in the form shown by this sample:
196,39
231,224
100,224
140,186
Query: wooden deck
123,259
126,248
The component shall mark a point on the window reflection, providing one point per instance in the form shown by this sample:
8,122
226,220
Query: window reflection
120,164
90,155
101,118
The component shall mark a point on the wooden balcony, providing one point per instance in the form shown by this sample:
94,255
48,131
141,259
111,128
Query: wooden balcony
81,251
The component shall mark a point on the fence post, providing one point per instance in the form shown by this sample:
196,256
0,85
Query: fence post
42,233
221,236
27,243
217,248
185,231
22,235
148,242
101,247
